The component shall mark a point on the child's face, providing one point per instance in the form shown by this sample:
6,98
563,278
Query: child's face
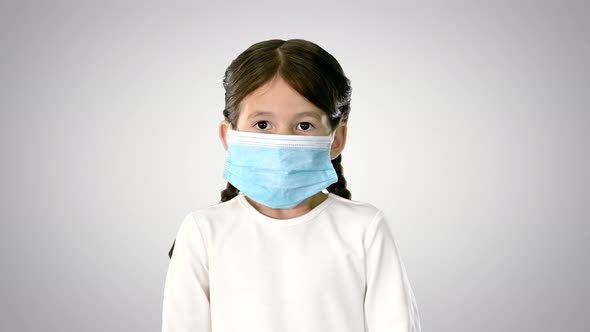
276,108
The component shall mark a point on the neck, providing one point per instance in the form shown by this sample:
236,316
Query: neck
300,209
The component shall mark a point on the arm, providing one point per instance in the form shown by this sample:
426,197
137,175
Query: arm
389,304
186,291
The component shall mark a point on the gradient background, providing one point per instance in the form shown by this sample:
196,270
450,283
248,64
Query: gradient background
469,128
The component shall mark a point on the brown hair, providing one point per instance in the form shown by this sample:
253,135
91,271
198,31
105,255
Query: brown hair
306,67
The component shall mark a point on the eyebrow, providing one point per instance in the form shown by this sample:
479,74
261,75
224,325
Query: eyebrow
310,113
258,113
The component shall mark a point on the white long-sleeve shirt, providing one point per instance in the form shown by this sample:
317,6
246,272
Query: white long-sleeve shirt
334,269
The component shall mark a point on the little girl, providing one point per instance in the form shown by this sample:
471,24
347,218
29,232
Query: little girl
278,253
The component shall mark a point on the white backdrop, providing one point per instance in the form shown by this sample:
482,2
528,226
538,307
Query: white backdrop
469,128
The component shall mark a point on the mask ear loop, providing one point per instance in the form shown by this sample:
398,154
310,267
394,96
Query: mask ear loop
332,135
226,141
227,131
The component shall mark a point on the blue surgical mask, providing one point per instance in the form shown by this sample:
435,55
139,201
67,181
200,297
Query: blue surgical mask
279,171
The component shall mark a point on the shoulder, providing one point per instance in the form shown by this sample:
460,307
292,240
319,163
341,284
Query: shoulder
218,212
365,220
356,211
370,220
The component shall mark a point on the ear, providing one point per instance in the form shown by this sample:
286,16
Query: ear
223,125
339,142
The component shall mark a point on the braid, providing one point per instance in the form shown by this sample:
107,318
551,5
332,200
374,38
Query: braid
339,188
171,249
229,192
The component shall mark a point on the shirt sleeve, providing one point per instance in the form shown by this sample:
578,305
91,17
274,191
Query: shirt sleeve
389,303
186,290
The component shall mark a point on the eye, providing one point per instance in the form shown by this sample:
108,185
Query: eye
305,126
261,124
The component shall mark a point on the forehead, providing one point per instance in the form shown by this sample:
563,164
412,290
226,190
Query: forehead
277,97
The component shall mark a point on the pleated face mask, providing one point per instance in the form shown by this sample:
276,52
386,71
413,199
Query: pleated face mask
279,171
